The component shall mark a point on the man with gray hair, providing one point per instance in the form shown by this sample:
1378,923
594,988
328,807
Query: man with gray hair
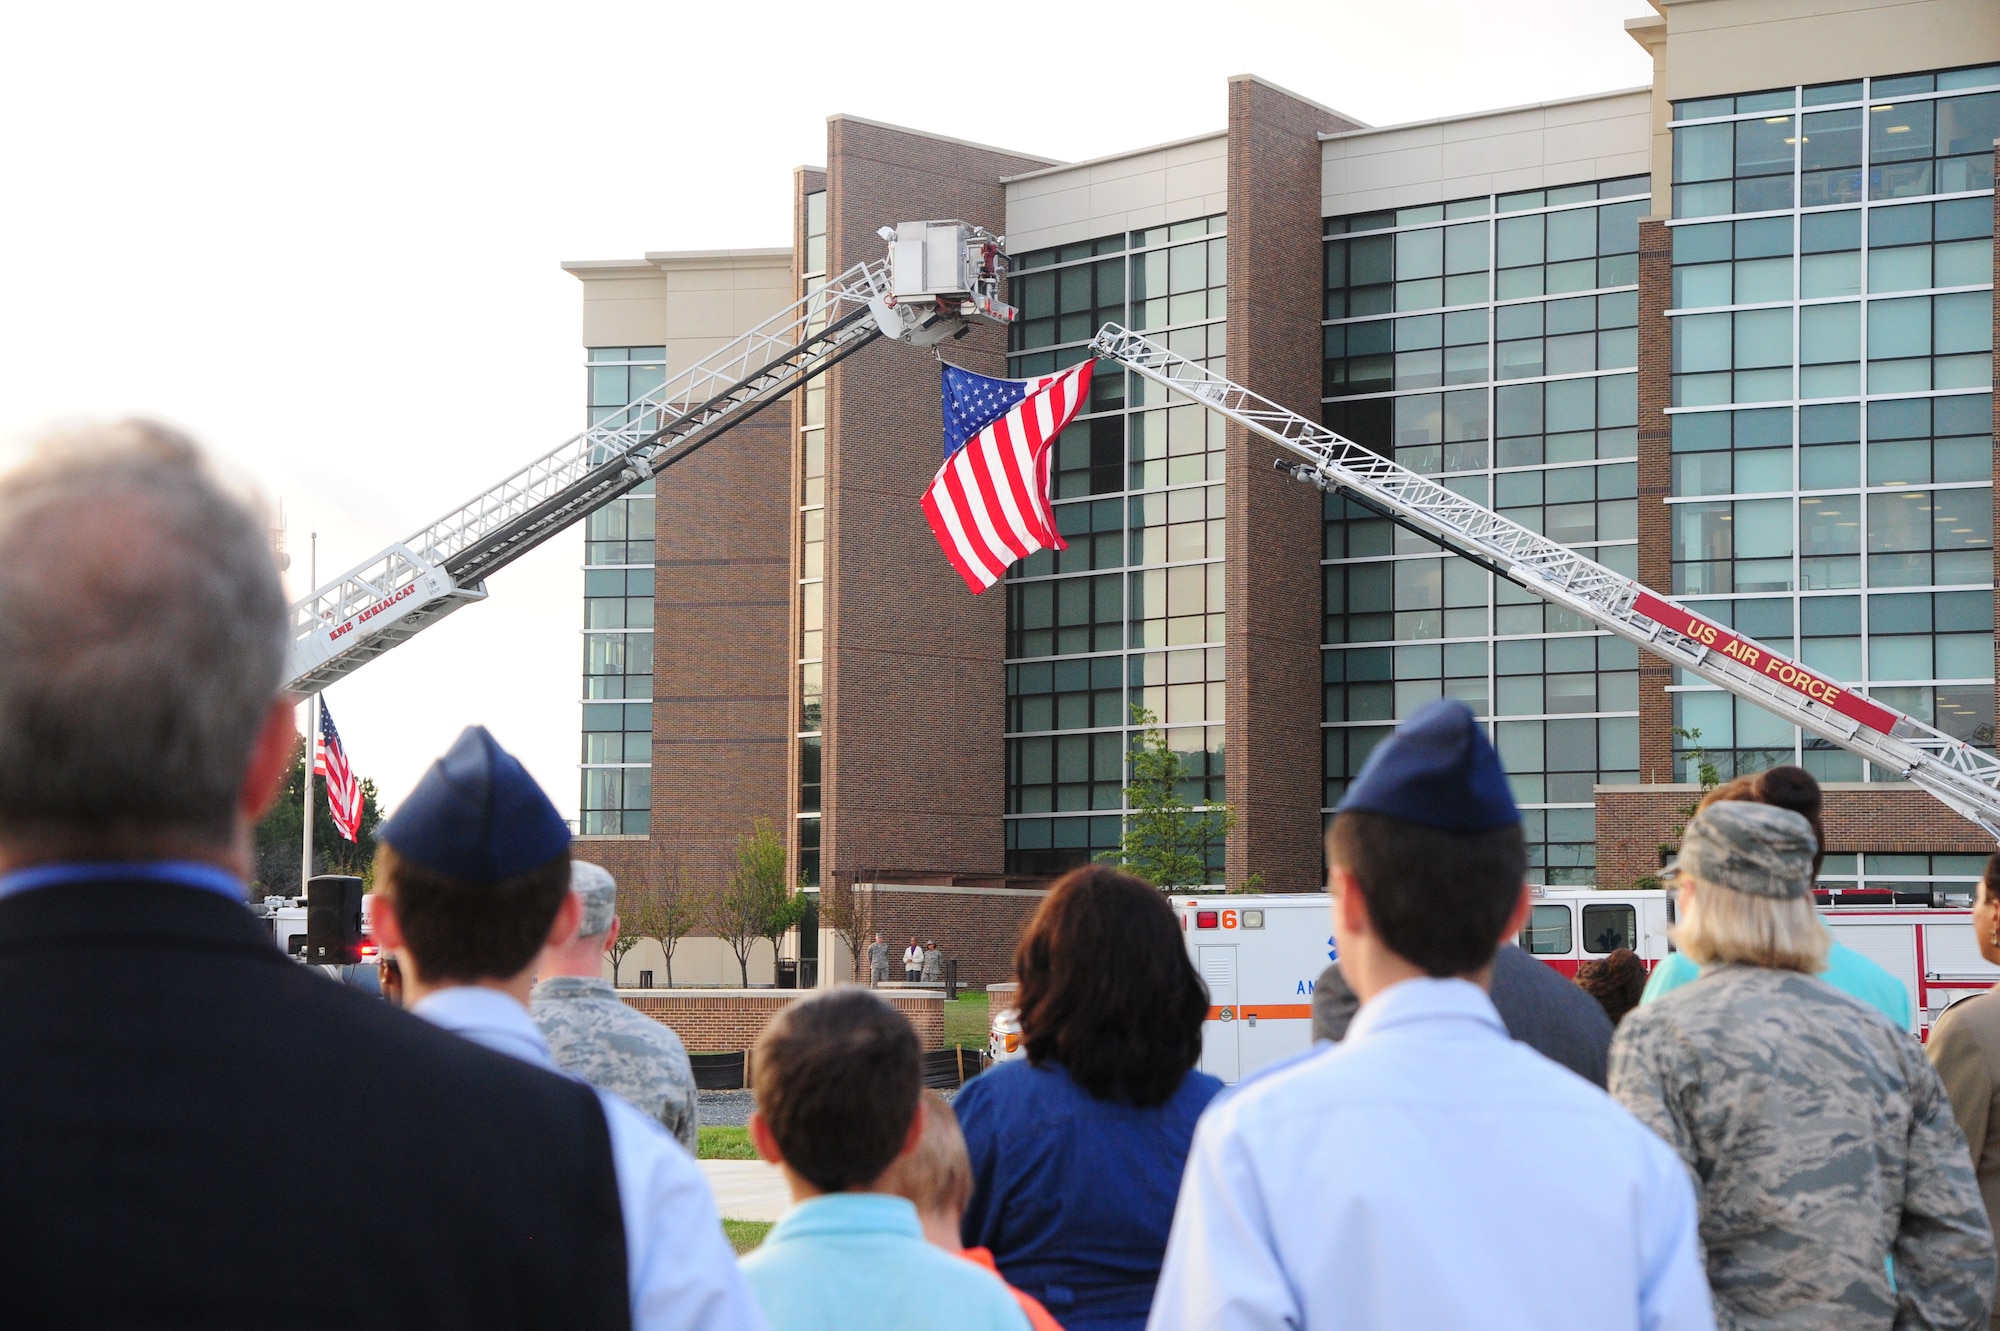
169,1073
593,1035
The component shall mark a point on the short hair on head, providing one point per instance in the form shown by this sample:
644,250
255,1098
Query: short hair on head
1437,899
837,1078
143,637
462,932
1989,877
937,1176
1106,987
1730,926
1617,982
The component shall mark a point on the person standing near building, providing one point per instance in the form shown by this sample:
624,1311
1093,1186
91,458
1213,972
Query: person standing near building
933,967
1615,982
1965,1049
878,961
169,1073
592,1034
913,962
1835,1188
472,882
1382,1182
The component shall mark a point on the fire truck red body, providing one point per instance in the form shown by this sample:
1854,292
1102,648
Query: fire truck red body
1261,955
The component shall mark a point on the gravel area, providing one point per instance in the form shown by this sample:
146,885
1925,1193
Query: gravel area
731,1109
726,1109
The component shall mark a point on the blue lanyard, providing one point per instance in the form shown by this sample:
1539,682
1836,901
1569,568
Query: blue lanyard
183,873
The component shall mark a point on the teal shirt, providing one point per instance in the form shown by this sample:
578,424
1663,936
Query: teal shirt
1846,970
857,1261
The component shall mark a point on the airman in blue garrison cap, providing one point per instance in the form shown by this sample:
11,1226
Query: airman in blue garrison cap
1444,1219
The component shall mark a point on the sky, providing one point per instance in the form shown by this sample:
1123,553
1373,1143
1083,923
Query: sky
326,240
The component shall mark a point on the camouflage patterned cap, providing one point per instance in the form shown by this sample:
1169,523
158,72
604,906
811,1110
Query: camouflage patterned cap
1757,849
597,891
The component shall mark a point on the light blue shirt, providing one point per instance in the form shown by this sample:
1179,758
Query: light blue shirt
682,1271
858,1261
1430,1172
1846,970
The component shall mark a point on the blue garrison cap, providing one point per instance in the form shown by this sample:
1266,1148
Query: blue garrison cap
477,815
1438,769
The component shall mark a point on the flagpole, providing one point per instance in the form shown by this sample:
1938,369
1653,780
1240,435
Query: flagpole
312,743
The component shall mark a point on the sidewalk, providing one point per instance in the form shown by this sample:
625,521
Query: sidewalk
746,1189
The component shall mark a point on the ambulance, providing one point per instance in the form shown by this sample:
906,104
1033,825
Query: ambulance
1261,955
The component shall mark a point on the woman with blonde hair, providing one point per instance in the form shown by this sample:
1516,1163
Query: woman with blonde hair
1845,969
1822,1147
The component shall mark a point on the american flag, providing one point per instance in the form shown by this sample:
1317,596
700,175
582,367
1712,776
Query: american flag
989,505
343,792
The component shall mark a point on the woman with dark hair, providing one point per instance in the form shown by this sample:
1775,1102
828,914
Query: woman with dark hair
1077,1151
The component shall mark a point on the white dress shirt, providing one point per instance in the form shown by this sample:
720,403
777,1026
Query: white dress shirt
1428,1172
682,1271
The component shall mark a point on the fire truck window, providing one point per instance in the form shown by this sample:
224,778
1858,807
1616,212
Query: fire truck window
1608,928
1548,931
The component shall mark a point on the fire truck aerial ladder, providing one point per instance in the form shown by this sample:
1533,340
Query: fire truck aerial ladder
936,281
1964,778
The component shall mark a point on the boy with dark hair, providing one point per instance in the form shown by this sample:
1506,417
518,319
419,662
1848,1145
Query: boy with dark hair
472,881
839,1078
1393,1180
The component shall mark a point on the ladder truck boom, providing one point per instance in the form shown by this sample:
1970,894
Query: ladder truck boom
1962,777
937,278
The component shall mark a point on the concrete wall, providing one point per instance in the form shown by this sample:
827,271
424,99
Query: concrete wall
1528,147
1128,192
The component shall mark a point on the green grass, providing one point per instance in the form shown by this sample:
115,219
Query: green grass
743,1235
965,1020
726,1144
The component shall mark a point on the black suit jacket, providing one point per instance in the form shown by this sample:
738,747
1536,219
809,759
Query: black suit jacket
198,1131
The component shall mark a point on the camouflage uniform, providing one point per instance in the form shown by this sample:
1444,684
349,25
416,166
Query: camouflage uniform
878,961
1821,1143
933,970
593,1035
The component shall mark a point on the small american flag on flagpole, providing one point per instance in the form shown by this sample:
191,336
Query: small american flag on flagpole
343,791
989,504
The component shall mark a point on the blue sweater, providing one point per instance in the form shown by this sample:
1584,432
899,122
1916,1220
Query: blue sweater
1074,1195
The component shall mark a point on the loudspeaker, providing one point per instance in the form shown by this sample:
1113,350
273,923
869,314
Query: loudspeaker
333,920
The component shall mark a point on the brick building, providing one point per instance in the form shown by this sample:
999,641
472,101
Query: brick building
1730,333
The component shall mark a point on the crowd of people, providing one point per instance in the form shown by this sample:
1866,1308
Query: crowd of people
196,1130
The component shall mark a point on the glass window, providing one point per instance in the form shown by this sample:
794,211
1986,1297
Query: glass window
1549,931
1606,928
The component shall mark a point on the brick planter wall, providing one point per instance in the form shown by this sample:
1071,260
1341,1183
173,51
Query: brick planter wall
723,1021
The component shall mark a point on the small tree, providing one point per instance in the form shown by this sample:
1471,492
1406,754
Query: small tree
1166,840
662,906
756,895
850,913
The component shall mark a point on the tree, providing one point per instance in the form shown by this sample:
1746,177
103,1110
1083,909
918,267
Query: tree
1707,776
756,897
276,843
663,906
1166,840
850,913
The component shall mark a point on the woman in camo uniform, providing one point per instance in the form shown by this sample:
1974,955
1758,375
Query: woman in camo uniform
1834,1185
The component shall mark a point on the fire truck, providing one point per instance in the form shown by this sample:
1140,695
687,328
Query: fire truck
1260,955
